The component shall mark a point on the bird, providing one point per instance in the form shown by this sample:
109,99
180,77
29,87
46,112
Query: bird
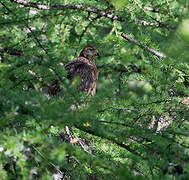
84,67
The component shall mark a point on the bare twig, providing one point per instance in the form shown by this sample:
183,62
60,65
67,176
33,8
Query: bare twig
14,52
79,142
91,21
108,14
169,7
156,53
102,13
45,158
28,27
158,23
152,9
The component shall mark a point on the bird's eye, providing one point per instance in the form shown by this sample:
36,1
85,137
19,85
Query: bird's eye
90,49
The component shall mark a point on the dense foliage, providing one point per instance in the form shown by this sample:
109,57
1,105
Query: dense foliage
136,127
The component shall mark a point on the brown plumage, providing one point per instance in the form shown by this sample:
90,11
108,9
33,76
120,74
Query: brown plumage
84,67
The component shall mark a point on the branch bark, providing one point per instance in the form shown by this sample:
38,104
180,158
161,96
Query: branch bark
104,13
14,52
99,12
120,144
156,53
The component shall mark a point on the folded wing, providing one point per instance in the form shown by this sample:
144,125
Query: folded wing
86,72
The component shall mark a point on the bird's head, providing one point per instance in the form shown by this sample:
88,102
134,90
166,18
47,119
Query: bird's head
89,52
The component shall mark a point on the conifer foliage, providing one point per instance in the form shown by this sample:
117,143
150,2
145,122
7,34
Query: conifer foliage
137,124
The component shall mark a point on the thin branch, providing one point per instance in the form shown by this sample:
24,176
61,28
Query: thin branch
35,77
14,52
46,159
120,144
158,24
27,19
156,53
34,36
152,9
102,13
156,102
90,23
164,135
109,15
117,109
169,7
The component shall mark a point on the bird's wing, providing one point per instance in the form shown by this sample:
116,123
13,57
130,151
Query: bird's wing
82,69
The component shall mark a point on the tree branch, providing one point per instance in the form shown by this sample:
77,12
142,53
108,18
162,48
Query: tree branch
91,21
156,53
120,144
99,12
169,7
14,52
109,15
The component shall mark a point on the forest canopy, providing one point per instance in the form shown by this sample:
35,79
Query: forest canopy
137,124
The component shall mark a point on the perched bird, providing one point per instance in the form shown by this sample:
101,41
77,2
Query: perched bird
84,67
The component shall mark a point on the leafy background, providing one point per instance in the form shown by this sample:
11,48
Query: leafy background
136,127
